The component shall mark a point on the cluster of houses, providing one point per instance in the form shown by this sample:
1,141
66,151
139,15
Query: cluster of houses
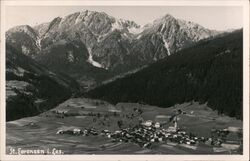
85,132
147,133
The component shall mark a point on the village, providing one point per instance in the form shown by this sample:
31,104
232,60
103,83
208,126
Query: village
146,134
149,133
132,127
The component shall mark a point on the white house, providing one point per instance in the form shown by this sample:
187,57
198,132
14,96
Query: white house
59,132
157,125
76,131
148,123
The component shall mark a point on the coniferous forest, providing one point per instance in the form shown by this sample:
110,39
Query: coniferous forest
210,72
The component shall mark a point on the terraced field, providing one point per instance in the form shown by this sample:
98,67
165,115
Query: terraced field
39,132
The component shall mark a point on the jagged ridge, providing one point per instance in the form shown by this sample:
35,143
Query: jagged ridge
114,45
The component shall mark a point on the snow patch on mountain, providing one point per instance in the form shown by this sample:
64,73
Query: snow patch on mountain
71,57
79,18
99,38
93,62
138,37
135,30
116,26
166,46
82,15
163,26
38,43
188,24
124,35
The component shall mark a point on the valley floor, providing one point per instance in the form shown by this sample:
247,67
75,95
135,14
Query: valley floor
45,131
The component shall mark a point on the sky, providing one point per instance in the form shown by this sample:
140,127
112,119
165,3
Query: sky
212,17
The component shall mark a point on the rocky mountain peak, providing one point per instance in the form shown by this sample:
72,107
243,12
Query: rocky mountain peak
164,19
22,29
167,17
104,42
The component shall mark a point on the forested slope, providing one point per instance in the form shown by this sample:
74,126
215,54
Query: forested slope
210,71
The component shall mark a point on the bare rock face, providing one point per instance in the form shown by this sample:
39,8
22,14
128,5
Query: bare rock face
24,39
102,42
175,34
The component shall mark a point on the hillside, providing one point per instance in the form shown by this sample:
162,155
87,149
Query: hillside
210,71
31,88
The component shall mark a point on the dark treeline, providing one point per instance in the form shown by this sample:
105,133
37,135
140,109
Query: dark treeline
52,89
211,71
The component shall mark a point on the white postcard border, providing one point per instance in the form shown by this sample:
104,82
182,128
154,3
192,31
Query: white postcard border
243,3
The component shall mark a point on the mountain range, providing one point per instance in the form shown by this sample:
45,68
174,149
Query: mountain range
92,46
95,55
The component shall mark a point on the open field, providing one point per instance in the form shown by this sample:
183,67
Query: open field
39,132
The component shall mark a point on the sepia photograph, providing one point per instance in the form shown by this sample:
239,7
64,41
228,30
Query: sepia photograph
126,78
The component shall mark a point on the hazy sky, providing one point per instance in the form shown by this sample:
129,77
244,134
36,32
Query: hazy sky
215,17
